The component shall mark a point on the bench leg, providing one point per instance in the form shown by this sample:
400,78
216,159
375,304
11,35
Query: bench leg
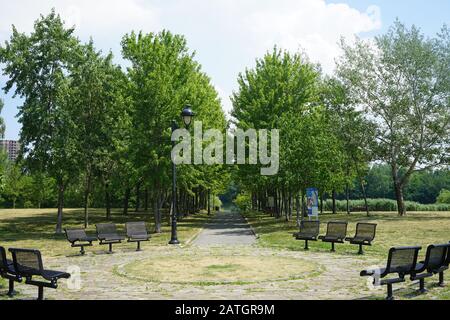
332,247
441,279
422,286
306,245
110,248
82,252
11,291
390,296
360,249
138,246
40,293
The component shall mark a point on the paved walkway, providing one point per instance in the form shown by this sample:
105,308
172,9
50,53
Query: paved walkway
228,228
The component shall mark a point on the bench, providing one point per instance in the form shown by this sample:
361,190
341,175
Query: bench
107,234
336,233
401,261
79,238
28,264
309,231
8,272
365,233
435,263
137,232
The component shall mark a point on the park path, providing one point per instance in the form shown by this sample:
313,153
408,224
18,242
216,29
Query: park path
227,228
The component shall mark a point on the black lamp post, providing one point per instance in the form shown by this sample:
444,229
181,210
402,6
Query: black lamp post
187,116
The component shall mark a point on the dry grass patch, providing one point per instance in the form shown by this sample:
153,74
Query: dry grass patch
213,270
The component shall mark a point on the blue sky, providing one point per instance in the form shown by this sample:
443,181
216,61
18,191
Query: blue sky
227,35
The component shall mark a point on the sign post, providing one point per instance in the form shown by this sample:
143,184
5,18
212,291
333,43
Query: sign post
312,202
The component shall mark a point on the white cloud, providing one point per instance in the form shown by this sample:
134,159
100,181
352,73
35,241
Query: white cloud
227,34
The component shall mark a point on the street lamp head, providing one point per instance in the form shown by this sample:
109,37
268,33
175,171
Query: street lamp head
187,115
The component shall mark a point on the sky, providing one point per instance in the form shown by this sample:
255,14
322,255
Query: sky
227,35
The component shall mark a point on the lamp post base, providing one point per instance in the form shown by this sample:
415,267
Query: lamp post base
174,241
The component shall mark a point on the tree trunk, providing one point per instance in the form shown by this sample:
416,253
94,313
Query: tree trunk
146,200
87,191
14,203
297,207
107,201
209,202
126,200
157,213
321,203
304,213
347,197
60,207
398,187
138,197
334,201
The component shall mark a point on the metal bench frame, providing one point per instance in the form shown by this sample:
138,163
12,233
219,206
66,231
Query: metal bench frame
361,239
309,231
333,238
110,237
402,271
79,239
429,267
8,272
28,271
137,232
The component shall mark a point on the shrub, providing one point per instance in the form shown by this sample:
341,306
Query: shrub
444,196
385,205
243,201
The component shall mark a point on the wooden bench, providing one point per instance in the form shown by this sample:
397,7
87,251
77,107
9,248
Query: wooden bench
79,238
365,234
309,231
401,261
137,232
107,234
435,263
8,272
336,233
28,265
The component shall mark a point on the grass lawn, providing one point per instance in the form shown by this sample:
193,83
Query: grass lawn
35,229
275,268
417,228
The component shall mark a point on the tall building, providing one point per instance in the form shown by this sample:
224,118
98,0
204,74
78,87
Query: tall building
11,147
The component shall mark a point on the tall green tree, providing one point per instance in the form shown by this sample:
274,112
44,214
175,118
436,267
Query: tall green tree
2,122
37,67
164,77
96,106
403,82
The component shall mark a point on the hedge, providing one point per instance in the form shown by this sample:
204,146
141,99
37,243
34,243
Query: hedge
384,205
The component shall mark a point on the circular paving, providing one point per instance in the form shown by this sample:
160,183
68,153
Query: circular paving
213,269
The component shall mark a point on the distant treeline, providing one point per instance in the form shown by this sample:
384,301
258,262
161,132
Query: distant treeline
424,187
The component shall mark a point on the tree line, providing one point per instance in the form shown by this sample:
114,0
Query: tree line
100,134
89,124
388,101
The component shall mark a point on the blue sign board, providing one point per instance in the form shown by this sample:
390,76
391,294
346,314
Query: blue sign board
312,202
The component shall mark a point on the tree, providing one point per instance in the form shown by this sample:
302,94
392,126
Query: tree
14,183
163,77
444,196
2,122
402,81
37,67
96,105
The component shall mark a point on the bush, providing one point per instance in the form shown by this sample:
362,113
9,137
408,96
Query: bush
385,205
243,201
444,197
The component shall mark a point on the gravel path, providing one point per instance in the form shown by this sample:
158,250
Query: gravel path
227,228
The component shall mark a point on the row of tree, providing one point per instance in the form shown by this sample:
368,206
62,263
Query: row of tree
86,122
389,101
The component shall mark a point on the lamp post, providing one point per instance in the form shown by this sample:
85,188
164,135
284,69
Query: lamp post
187,116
